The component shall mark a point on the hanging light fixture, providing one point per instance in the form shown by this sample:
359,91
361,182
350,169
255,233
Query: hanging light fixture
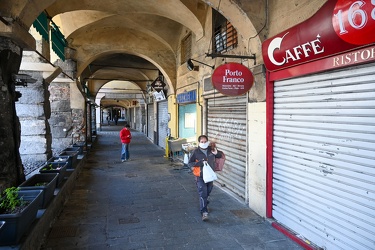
190,64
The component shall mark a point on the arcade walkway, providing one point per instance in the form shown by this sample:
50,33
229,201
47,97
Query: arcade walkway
151,203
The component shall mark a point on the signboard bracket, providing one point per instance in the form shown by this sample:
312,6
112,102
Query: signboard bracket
212,55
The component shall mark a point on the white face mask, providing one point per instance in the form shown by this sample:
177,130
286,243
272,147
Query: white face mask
204,145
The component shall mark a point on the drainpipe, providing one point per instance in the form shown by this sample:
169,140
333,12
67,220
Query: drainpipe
198,96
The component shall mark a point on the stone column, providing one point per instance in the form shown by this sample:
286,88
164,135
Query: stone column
11,170
68,109
34,109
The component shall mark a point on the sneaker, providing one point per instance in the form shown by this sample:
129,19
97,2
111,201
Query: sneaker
204,216
122,160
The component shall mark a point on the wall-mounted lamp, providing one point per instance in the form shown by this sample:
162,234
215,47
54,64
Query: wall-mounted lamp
190,64
22,79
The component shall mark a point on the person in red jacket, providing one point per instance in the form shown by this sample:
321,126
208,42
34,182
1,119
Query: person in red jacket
125,137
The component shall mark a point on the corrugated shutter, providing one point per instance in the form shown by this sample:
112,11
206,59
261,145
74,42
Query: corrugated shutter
162,122
226,124
324,157
150,121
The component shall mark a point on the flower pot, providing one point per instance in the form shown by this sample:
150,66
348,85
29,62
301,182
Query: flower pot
72,158
81,146
61,159
17,224
55,167
49,181
2,223
73,149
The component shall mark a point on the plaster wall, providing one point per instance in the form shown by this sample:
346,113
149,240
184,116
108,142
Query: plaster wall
257,157
286,14
77,100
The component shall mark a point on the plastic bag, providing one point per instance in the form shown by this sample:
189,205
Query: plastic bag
208,174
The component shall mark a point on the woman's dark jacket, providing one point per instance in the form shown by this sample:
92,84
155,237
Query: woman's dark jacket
198,156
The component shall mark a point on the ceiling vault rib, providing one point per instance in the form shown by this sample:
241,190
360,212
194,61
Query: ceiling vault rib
119,79
118,66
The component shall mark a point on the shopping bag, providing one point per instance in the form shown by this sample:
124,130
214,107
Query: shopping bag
208,174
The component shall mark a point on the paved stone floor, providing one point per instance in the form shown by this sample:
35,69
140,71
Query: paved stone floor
151,202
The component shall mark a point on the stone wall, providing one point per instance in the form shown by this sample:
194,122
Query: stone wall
11,171
67,109
61,120
33,110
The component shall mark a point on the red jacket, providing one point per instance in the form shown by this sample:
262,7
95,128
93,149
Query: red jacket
125,135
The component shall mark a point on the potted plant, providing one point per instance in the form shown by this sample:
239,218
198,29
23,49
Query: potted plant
61,159
55,167
18,209
46,182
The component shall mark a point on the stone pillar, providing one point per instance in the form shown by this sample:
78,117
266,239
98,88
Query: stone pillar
68,109
34,111
89,122
11,169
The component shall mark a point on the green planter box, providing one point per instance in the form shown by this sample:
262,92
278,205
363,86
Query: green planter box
81,146
58,167
49,181
72,155
17,224
2,223
73,149
61,159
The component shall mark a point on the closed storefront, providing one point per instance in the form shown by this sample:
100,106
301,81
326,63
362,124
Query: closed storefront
150,121
226,125
162,123
321,127
323,156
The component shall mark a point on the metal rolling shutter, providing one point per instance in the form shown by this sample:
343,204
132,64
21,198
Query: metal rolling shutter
162,122
324,157
226,124
150,121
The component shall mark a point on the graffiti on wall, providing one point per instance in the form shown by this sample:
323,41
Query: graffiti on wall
227,129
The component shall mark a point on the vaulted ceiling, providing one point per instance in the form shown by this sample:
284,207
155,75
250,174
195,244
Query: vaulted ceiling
118,40
132,42
129,42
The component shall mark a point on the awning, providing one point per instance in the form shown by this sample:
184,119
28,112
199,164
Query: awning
58,42
41,25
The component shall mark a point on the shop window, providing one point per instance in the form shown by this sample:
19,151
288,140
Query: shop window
224,34
186,48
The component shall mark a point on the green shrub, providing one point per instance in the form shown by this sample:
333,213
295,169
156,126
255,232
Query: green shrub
10,200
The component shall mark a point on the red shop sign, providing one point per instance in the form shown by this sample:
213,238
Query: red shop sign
232,79
339,26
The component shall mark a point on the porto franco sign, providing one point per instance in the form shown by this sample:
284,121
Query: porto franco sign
232,79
